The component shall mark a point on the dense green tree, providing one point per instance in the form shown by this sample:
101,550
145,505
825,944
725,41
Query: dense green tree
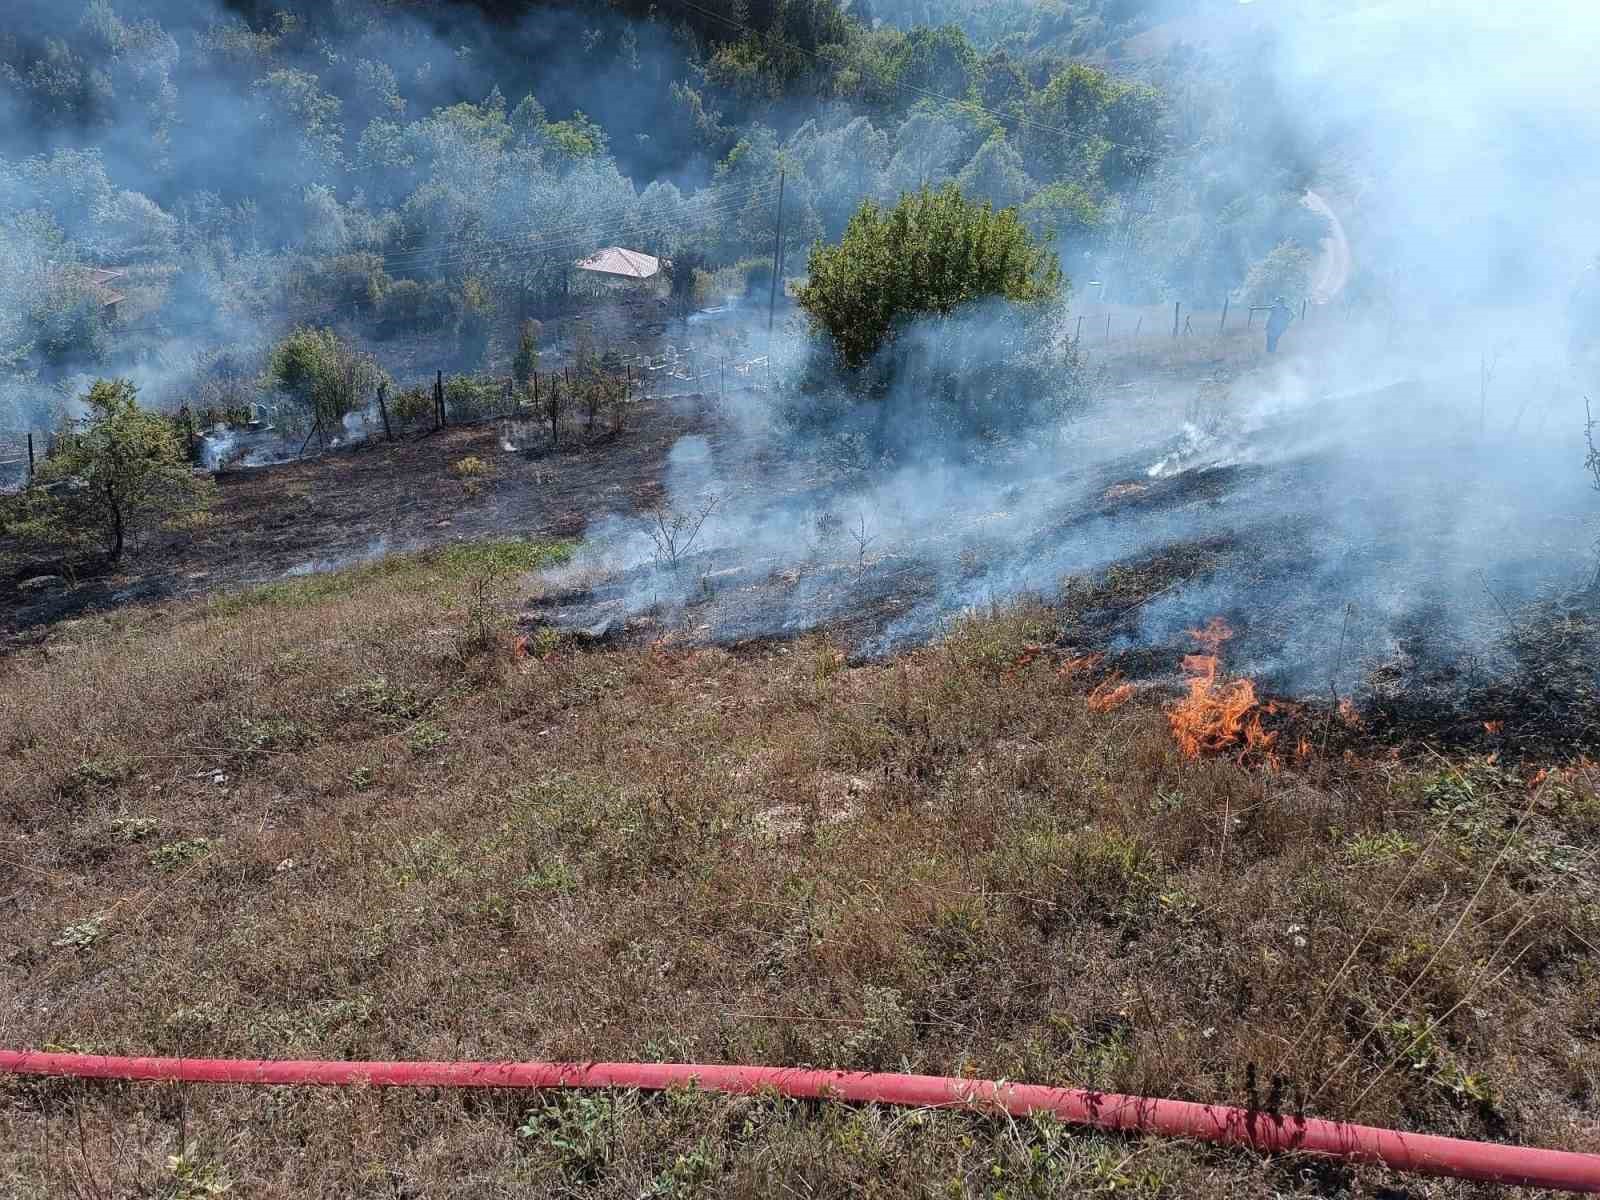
930,254
995,174
1284,271
1066,213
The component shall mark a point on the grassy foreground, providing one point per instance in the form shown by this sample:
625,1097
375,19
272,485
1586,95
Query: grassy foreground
339,817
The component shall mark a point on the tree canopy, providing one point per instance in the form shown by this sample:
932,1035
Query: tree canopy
931,253
123,471
324,376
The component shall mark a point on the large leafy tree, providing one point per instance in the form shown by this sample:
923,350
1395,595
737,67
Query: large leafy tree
930,254
111,479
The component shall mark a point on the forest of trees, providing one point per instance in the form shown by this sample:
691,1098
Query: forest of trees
437,167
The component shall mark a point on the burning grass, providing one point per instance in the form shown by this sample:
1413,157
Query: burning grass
350,821
1220,716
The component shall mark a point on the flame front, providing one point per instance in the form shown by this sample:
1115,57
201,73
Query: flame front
1217,716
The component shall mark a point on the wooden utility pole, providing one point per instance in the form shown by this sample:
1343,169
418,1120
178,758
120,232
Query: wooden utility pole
383,410
1108,329
777,245
1222,325
1078,336
1177,305
30,456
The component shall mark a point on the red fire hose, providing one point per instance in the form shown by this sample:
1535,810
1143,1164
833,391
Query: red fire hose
1419,1152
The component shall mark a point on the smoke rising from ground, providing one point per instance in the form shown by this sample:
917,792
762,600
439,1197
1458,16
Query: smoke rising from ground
1417,455
1399,493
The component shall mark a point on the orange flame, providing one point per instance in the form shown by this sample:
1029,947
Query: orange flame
1218,717
1493,727
1109,694
1025,658
1084,662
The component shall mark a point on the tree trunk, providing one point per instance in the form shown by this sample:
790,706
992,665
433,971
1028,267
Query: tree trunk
118,527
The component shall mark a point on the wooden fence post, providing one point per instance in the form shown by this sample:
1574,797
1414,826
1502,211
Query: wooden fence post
383,409
438,400
30,456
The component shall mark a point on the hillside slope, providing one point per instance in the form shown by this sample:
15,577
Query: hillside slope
344,817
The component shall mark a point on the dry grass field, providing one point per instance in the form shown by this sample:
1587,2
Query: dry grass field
349,816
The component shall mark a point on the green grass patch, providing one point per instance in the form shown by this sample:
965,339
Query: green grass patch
423,570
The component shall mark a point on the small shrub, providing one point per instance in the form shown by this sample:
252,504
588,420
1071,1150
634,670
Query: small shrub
471,397
688,1175
884,1036
375,696
470,467
430,857
98,774
324,376
674,532
554,876
134,829
1379,847
426,737
411,406
578,1130
526,360
257,735
174,856
81,934
195,1180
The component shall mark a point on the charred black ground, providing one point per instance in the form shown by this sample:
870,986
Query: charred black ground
1370,547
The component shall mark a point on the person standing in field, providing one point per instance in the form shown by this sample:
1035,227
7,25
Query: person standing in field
1277,321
